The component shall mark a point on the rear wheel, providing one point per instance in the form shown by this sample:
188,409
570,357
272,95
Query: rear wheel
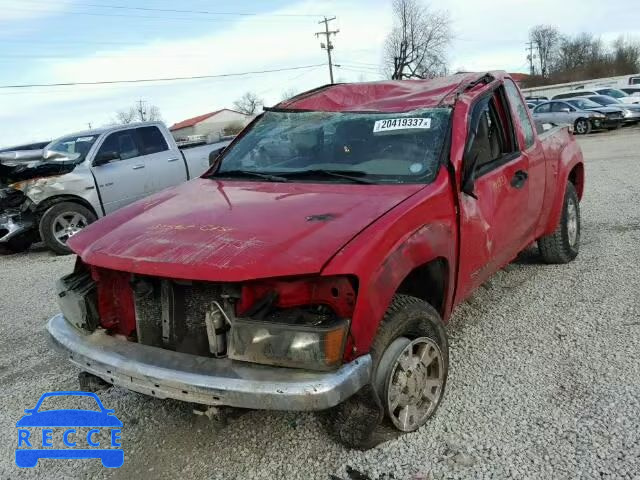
62,221
582,126
563,244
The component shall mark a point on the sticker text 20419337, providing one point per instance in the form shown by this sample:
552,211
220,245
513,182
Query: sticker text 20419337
401,124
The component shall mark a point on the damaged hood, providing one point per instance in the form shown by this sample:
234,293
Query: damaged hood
236,230
12,171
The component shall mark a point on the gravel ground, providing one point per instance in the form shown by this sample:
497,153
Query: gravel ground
544,380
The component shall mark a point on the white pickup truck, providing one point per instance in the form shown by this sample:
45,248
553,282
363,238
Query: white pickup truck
84,176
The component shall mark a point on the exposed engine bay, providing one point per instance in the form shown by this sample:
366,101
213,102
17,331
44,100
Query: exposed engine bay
279,323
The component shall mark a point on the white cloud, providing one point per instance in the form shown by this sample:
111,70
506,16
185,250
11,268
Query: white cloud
254,43
488,37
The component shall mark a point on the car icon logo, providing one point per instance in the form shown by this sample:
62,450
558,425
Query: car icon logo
69,433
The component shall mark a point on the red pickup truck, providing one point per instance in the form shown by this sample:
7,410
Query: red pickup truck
316,263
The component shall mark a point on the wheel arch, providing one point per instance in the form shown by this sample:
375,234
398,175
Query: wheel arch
422,265
50,202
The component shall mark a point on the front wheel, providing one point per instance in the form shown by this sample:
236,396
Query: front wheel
563,244
410,356
582,126
62,221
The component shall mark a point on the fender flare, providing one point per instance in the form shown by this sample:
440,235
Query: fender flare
434,241
51,201
573,172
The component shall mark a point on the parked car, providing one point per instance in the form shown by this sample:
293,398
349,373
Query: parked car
631,113
84,176
583,119
323,253
632,91
536,100
620,95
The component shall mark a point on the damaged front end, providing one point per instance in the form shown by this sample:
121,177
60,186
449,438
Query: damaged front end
17,220
276,344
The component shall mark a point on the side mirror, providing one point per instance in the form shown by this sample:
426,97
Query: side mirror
105,157
565,110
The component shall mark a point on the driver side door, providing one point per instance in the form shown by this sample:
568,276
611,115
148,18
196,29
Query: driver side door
122,180
494,226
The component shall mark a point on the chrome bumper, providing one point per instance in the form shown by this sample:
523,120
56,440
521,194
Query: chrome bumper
210,381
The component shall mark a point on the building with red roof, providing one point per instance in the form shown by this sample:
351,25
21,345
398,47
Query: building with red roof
210,126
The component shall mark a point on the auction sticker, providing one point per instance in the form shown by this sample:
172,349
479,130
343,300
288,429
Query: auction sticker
401,124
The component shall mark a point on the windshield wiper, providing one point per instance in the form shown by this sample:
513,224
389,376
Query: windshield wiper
249,173
356,176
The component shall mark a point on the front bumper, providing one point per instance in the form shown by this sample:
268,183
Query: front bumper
210,381
14,223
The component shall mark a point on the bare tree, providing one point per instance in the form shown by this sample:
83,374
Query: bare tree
585,56
140,112
248,104
289,93
545,39
418,43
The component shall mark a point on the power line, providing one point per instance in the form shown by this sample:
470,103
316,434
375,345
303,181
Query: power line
117,15
172,10
329,45
148,80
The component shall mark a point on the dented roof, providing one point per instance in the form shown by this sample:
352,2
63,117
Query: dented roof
385,96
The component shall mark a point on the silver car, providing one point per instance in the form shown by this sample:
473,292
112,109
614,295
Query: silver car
582,120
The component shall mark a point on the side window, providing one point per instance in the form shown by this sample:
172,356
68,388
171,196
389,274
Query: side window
544,108
520,109
559,106
122,143
152,140
494,138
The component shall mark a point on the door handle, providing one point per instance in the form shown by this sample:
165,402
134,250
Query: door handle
137,167
519,178
175,159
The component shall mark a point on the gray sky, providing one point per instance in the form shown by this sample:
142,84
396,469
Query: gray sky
48,41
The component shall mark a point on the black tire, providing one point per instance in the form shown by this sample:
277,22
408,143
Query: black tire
361,421
47,224
582,126
561,246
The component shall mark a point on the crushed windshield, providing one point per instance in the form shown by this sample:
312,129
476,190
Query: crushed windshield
70,148
338,147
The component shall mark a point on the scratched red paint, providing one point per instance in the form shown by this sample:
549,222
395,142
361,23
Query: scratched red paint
237,231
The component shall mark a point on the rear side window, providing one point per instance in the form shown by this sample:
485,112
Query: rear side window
520,110
559,106
152,140
122,143
544,108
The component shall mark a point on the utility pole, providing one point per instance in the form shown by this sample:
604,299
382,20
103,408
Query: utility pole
142,110
530,57
89,125
328,46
